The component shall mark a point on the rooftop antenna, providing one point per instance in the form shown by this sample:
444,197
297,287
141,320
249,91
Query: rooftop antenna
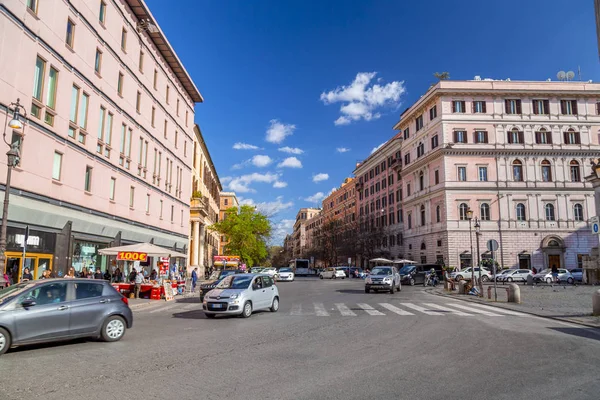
561,75
570,75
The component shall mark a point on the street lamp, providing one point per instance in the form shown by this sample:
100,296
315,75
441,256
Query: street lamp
477,233
13,160
470,217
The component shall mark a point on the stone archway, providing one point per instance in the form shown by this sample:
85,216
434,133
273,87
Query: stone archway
553,248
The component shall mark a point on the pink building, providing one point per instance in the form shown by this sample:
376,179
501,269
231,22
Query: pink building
106,152
515,153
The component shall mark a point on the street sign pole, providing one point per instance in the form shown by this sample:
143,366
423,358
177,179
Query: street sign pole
495,272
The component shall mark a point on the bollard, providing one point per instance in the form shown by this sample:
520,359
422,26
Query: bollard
514,293
461,287
596,303
530,280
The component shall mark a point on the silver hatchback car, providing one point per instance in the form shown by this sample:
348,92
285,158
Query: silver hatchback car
241,295
61,309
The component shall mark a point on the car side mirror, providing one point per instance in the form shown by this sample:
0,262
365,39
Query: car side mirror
28,302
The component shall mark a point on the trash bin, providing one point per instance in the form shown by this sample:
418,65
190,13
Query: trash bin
530,280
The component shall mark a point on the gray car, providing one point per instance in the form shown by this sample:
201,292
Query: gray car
61,309
241,295
383,278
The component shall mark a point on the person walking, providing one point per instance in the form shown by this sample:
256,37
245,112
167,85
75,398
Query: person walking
26,275
194,279
554,273
139,279
118,275
71,273
98,274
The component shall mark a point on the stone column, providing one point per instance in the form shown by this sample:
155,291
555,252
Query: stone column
201,249
195,250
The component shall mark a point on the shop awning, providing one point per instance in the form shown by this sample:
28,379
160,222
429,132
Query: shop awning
150,249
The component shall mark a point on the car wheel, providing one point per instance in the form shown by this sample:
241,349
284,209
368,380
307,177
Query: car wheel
275,305
247,310
570,281
113,329
509,279
320,276
459,277
367,290
210,316
548,280
412,281
4,341
392,289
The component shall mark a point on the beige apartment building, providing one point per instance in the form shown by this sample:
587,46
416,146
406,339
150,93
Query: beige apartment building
228,200
299,235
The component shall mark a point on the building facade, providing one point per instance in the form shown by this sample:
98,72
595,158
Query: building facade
341,205
299,234
205,203
513,153
311,231
106,146
228,200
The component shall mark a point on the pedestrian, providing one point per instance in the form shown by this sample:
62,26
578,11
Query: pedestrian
139,279
534,270
26,275
107,275
6,279
132,275
554,273
71,273
153,275
194,279
118,276
50,274
44,275
98,274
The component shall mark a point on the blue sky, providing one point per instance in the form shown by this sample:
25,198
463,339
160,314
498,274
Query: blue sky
317,76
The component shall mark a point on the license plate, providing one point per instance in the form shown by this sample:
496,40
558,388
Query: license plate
217,305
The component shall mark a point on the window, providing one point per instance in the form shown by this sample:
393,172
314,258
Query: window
408,189
176,137
32,5
131,196
432,113
70,38
484,211
460,137
512,106
172,213
568,107
575,174
406,158
101,122
161,209
483,177
520,212
51,95
421,181
578,212
177,108
462,211
514,136
124,40
57,166
38,86
88,179
434,142
409,220
543,137
406,133
422,215
419,123
148,203
138,101
517,171
546,171
598,108
541,107
85,290
549,212
438,214
155,79
98,62
141,62
113,183
168,92
572,137
420,149
462,174
458,106
481,137
436,176
120,84
479,107
83,110
108,134
165,129
186,118
399,216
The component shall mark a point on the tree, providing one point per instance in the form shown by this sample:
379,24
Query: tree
442,76
278,257
247,231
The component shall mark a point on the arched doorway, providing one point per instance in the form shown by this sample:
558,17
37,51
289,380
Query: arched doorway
553,248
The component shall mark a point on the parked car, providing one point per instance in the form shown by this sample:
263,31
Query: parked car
256,270
577,274
516,275
285,274
242,295
357,272
345,269
383,278
499,275
332,273
411,275
269,271
546,276
214,279
465,274
61,309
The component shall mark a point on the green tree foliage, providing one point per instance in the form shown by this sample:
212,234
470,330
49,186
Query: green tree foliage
247,231
442,76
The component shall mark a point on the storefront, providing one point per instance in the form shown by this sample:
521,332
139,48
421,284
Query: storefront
85,256
38,258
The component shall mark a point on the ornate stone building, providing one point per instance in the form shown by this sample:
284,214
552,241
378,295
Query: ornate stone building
228,200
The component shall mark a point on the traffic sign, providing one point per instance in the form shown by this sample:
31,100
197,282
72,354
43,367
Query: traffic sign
349,260
595,225
492,245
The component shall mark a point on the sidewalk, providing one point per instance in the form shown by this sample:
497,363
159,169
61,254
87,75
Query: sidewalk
567,303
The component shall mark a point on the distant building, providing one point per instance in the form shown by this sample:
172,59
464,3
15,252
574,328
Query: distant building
299,235
341,203
228,200
597,8
311,230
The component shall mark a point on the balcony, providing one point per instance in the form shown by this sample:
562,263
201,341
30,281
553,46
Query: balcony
199,205
397,165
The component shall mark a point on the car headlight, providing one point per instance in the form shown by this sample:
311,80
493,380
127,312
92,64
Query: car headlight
234,296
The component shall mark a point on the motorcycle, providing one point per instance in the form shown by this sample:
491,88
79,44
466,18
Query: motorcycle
431,280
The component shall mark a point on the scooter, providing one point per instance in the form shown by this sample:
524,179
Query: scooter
431,280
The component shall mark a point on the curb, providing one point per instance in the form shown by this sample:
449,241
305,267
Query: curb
467,299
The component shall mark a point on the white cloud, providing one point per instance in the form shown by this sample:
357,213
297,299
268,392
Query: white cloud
273,207
342,149
261,161
290,162
279,184
277,131
245,146
291,150
331,191
377,147
241,184
225,179
280,230
315,198
320,177
361,99
246,202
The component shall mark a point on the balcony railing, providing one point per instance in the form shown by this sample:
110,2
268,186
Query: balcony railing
199,204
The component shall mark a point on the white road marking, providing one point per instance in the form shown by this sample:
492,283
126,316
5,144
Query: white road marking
164,308
369,310
441,308
395,309
484,312
158,304
344,310
420,309
320,310
296,309
498,310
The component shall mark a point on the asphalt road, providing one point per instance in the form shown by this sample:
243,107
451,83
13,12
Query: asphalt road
329,340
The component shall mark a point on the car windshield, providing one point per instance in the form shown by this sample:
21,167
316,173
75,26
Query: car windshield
381,271
407,269
235,282
285,270
227,273
10,292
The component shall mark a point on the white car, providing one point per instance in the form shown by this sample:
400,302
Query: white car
546,276
516,275
465,274
500,275
285,274
332,273
269,271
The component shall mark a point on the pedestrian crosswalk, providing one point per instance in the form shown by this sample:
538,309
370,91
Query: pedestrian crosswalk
321,309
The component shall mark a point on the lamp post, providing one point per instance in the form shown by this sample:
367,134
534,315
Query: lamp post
477,233
470,217
13,160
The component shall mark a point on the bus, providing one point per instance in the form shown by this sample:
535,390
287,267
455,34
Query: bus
301,267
